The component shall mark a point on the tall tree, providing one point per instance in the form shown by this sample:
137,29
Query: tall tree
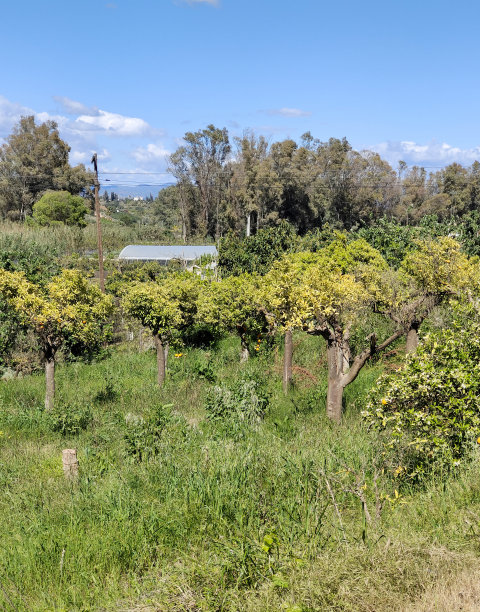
202,162
33,160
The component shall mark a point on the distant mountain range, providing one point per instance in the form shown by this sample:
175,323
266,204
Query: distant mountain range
132,191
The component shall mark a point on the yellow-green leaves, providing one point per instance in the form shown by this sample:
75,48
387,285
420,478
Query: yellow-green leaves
439,266
68,306
154,305
230,303
330,287
283,295
165,306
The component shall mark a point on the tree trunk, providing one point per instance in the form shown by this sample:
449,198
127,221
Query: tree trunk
412,338
248,224
165,353
335,360
340,373
49,382
184,230
334,399
160,360
287,361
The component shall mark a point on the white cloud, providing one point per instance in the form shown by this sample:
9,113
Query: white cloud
424,154
289,112
113,124
150,153
84,157
10,113
72,107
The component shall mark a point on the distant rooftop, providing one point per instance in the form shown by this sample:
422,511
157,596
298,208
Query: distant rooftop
164,253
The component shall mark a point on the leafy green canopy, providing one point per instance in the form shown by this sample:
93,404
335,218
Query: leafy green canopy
429,409
256,254
167,308
69,308
231,305
328,288
60,207
34,159
39,263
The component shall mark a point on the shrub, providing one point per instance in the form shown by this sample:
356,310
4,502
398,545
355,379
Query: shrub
107,394
201,368
70,419
245,401
430,409
143,432
60,207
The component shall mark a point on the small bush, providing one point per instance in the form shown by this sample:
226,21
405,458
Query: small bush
143,433
430,410
70,419
203,369
246,401
108,394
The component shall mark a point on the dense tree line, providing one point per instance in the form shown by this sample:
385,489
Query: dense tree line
248,184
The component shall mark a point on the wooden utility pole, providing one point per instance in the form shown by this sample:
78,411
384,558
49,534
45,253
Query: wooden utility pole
96,184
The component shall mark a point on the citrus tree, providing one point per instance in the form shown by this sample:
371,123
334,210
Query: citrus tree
231,305
428,410
68,308
284,306
435,271
166,308
344,283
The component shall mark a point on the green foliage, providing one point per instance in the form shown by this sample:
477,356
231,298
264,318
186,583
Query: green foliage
168,308
143,432
39,263
70,419
311,400
68,310
60,207
393,240
107,394
128,272
246,401
231,305
37,260
255,254
203,369
34,159
430,408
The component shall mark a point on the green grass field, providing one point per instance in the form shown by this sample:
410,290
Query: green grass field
221,516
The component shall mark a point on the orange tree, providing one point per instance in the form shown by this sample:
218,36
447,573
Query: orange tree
283,304
167,308
68,309
430,274
231,305
337,290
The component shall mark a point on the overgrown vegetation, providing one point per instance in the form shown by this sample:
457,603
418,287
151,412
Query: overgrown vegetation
277,450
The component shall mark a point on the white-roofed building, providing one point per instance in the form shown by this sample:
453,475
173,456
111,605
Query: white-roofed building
187,254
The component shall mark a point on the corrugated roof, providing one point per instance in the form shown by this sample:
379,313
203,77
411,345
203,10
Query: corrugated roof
151,252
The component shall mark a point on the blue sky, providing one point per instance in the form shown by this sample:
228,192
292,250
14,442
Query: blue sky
128,78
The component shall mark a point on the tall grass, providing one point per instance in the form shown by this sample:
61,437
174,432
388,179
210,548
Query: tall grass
74,240
256,518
